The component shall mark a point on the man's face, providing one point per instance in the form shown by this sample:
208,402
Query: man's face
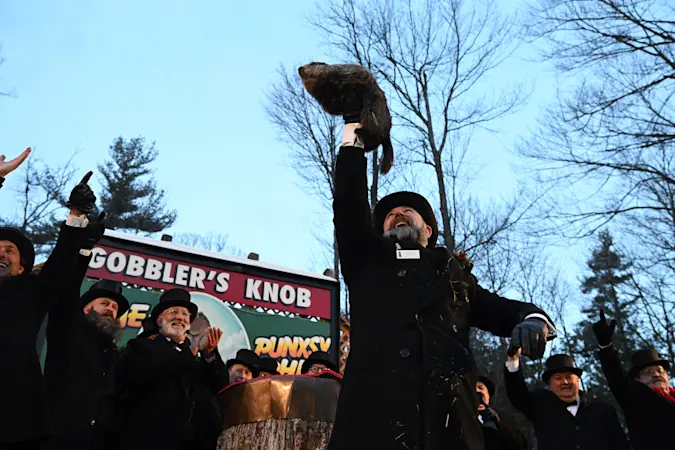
404,222
103,306
565,386
655,377
174,323
483,393
239,372
10,260
317,368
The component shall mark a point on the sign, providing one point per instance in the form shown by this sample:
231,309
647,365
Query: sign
226,284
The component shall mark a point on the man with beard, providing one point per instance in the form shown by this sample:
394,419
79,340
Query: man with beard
645,395
410,379
563,419
81,358
29,296
169,384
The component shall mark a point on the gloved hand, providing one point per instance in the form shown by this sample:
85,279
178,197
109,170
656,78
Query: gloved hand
95,231
490,418
82,198
604,330
352,104
529,335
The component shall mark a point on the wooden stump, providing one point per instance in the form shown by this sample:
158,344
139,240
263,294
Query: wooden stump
277,434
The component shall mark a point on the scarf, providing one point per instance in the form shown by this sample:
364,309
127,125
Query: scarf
670,395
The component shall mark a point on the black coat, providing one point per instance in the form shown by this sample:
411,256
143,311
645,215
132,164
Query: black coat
170,393
79,372
410,372
596,425
504,436
27,299
649,416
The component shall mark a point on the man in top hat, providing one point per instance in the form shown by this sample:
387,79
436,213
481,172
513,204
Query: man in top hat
81,358
317,362
29,297
267,367
410,378
645,395
497,434
563,419
9,166
243,367
169,386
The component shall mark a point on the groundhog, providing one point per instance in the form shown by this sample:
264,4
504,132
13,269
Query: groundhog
341,88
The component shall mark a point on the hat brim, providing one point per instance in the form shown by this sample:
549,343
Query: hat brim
93,294
254,369
309,361
549,373
489,384
23,244
638,367
411,199
163,306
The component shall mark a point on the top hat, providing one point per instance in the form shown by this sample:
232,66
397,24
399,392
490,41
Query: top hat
320,358
646,357
25,246
411,199
248,358
559,364
268,365
175,297
489,384
108,289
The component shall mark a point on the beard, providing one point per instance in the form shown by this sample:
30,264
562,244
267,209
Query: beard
106,324
166,329
405,233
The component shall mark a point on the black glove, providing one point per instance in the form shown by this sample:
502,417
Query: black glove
95,231
490,418
604,330
352,104
82,197
529,335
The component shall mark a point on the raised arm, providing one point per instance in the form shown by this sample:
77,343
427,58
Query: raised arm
618,382
516,388
8,166
67,306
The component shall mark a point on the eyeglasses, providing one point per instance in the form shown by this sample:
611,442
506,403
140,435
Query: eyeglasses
177,312
655,370
317,369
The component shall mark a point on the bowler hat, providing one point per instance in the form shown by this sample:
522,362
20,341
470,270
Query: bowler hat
318,357
23,244
489,384
411,199
559,364
646,357
175,297
245,357
108,289
268,365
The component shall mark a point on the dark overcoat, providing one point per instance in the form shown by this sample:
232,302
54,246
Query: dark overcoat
649,415
79,373
169,393
410,379
596,425
506,436
27,298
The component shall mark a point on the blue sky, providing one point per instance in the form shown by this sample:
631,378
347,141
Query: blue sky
192,76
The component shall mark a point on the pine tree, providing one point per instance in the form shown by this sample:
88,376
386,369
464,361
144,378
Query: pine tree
130,198
610,274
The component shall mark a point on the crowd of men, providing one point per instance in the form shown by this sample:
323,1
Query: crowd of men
410,382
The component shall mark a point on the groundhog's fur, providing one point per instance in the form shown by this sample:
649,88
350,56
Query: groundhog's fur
335,86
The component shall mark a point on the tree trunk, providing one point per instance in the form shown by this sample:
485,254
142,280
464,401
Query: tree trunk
277,434
442,194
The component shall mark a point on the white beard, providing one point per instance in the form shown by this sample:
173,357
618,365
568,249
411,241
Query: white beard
167,330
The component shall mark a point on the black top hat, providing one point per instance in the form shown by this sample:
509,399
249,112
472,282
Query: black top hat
25,246
248,358
411,199
321,358
109,289
646,357
489,384
558,364
268,365
175,297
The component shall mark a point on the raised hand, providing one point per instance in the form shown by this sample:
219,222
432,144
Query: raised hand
529,335
95,231
603,330
8,166
82,198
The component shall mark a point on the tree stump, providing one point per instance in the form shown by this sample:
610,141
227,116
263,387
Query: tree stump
278,413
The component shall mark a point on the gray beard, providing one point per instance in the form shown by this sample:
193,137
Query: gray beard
104,324
407,233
